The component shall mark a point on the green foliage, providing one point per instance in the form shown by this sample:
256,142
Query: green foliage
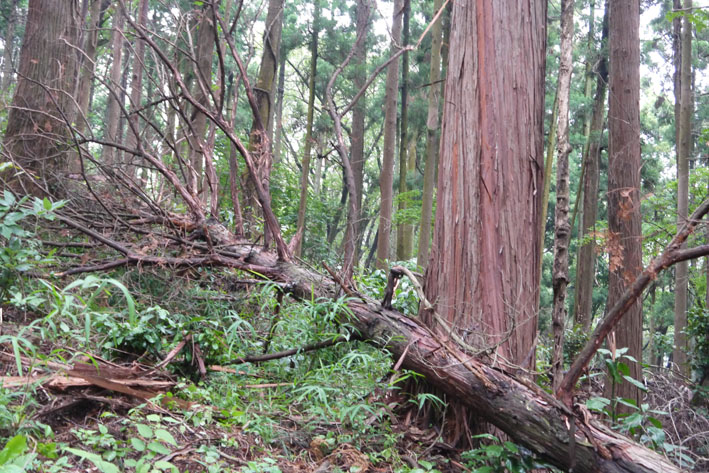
19,251
697,329
495,456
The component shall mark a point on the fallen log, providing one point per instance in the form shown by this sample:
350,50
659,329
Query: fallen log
570,440
528,415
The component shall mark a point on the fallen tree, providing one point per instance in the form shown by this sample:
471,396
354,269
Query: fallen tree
566,437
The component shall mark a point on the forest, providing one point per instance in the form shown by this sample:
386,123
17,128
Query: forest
354,236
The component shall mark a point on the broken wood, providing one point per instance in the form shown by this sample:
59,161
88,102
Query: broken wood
528,416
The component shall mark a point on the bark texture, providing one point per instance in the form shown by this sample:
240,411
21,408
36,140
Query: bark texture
9,39
624,223
114,106
403,242
386,179
562,226
684,146
260,139
586,262
483,273
36,135
305,176
432,126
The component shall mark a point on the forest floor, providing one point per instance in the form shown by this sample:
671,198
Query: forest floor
85,390
150,371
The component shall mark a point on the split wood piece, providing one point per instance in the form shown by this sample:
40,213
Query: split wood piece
61,382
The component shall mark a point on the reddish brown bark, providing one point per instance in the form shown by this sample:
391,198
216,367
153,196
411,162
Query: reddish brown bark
483,274
624,223
36,135
585,265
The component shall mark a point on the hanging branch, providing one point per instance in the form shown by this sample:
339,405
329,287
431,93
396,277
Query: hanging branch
673,253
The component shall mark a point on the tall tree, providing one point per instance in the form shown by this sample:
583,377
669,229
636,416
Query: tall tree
624,222
114,106
562,226
490,171
684,146
262,131
386,179
358,115
432,125
9,39
403,240
136,82
585,263
36,135
202,93
305,175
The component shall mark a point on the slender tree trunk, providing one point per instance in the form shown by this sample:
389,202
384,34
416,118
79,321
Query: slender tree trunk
684,146
386,179
490,172
585,265
113,109
9,38
86,71
280,92
36,136
136,83
548,165
202,88
624,222
234,181
562,227
402,252
260,140
358,115
305,176
432,125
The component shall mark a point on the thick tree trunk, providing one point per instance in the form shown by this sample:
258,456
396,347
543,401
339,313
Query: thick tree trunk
562,227
386,179
432,125
483,273
624,222
585,265
403,247
305,176
36,135
684,145
113,109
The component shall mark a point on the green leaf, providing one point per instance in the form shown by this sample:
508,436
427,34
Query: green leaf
144,430
47,204
15,447
493,451
165,436
511,447
636,383
163,465
137,444
158,448
484,469
99,462
623,368
597,403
